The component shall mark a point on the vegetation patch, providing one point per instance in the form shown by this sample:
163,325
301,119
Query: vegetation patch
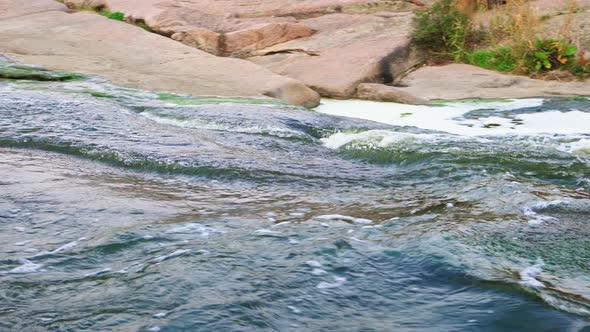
500,59
509,43
443,30
117,16
14,71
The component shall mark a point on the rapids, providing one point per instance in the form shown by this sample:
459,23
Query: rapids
127,210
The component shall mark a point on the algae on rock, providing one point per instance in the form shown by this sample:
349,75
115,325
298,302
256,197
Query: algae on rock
15,71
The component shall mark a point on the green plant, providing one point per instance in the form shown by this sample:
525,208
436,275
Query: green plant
580,70
144,26
500,59
117,16
443,30
549,54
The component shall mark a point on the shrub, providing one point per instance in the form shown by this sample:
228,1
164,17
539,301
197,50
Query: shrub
549,54
581,67
443,30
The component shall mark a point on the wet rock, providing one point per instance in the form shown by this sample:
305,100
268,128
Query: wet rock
15,71
380,92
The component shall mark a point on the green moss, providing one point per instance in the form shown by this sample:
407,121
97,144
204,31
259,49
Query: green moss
117,16
15,71
189,100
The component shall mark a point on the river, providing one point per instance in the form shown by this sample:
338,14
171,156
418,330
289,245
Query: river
127,210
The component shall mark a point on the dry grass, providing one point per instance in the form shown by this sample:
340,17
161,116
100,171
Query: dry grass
517,22
566,29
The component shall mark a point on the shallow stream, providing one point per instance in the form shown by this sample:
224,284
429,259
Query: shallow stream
125,210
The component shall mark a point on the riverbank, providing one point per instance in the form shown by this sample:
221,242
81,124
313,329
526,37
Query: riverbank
336,49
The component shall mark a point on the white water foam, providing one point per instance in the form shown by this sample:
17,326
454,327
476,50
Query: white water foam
318,272
580,147
266,232
338,282
294,309
313,264
283,223
98,273
385,138
193,228
200,124
529,274
360,221
68,246
552,204
26,267
535,219
174,254
449,117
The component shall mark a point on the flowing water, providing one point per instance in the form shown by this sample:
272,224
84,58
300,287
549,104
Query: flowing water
125,210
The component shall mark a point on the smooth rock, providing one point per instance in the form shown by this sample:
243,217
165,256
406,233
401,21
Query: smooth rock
243,42
380,92
218,27
559,75
201,38
357,41
127,55
16,8
347,50
460,81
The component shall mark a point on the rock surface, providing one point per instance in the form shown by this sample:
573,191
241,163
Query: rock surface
380,92
330,45
459,81
16,8
347,50
242,26
127,55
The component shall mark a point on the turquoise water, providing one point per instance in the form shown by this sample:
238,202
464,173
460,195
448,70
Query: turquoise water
120,211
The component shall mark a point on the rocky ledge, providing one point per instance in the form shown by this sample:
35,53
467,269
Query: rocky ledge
329,45
293,51
46,33
459,81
